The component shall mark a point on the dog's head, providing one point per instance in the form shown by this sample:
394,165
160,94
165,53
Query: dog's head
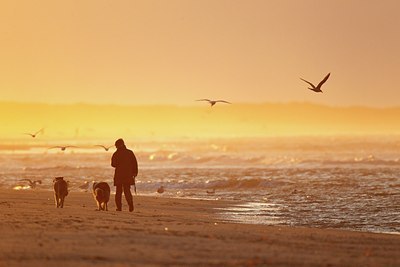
58,179
94,185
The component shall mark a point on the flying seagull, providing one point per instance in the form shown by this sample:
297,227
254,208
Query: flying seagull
106,148
61,147
32,184
33,135
213,102
318,87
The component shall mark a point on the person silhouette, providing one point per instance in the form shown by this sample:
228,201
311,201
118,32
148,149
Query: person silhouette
126,170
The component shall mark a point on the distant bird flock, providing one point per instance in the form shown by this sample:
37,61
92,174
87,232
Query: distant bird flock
161,189
314,88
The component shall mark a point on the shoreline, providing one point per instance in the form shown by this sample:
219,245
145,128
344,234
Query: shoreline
231,211
169,231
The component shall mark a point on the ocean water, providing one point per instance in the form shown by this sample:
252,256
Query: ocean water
331,182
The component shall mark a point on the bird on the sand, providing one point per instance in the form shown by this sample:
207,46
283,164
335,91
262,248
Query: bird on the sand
211,192
33,135
32,184
160,190
106,148
318,87
213,102
63,148
84,186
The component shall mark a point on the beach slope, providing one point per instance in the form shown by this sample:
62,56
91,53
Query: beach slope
169,232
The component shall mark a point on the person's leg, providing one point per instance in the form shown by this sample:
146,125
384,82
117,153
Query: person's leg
128,196
118,197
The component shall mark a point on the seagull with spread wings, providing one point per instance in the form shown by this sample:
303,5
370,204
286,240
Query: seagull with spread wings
106,148
33,135
318,87
213,102
32,184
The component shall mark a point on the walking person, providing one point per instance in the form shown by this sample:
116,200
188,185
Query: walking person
126,170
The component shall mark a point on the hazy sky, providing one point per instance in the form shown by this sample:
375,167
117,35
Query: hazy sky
176,51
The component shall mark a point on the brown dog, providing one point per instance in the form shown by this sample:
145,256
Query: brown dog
101,193
60,191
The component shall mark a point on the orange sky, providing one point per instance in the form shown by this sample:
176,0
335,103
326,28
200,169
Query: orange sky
175,51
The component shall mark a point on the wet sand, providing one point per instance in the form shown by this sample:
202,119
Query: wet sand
169,232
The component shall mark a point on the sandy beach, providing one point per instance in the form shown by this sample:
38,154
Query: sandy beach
169,232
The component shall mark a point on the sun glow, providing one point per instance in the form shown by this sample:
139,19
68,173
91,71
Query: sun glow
80,122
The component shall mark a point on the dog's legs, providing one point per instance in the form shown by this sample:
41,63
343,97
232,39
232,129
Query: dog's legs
56,200
62,202
106,206
98,205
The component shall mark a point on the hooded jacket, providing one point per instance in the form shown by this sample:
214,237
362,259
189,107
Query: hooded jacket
125,164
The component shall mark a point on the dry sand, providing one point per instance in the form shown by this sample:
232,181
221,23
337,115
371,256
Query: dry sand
169,232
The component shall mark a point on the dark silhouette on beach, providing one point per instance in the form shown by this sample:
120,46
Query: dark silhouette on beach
318,87
126,170
161,190
101,193
60,191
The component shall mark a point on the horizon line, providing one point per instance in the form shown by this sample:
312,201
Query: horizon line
194,105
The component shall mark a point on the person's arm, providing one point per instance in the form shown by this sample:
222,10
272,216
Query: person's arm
114,161
134,165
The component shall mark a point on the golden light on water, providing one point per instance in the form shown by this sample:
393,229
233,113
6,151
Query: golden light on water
21,187
212,97
172,155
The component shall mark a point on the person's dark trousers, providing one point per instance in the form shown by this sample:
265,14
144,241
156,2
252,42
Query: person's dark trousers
128,196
